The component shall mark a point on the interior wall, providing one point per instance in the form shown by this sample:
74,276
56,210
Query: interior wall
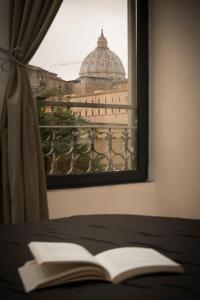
175,106
122,199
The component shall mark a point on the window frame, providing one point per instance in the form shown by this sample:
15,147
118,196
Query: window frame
142,91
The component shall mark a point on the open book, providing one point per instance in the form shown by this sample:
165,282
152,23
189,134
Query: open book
58,263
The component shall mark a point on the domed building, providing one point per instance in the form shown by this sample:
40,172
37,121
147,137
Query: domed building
101,80
102,63
99,70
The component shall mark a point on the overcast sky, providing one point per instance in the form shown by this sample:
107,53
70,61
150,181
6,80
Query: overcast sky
74,33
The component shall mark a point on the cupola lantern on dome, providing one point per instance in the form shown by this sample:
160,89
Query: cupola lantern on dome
102,62
102,41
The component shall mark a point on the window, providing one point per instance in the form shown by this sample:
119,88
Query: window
94,148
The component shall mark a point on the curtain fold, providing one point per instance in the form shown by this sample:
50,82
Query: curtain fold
23,183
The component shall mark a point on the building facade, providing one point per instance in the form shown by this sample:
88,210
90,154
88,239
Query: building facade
43,80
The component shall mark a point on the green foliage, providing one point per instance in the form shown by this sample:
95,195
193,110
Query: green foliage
64,139
43,93
59,116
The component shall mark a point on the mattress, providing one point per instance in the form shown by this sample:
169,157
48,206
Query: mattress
179,239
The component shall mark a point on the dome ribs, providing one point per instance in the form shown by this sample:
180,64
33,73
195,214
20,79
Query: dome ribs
102,62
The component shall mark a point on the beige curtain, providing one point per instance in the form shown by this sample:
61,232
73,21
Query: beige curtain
23,195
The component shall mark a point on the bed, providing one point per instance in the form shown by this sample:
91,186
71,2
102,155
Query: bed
176,238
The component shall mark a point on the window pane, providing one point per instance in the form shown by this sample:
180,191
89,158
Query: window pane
85,88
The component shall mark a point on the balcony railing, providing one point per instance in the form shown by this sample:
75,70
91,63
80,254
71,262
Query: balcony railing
88,149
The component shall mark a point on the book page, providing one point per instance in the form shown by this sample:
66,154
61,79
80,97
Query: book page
47,252
35,276
123,263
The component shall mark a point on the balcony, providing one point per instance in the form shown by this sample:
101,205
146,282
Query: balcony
88,149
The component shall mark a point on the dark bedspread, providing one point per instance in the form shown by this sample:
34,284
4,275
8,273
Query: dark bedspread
179,239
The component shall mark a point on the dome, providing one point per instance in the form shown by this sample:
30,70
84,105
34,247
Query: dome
102,62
